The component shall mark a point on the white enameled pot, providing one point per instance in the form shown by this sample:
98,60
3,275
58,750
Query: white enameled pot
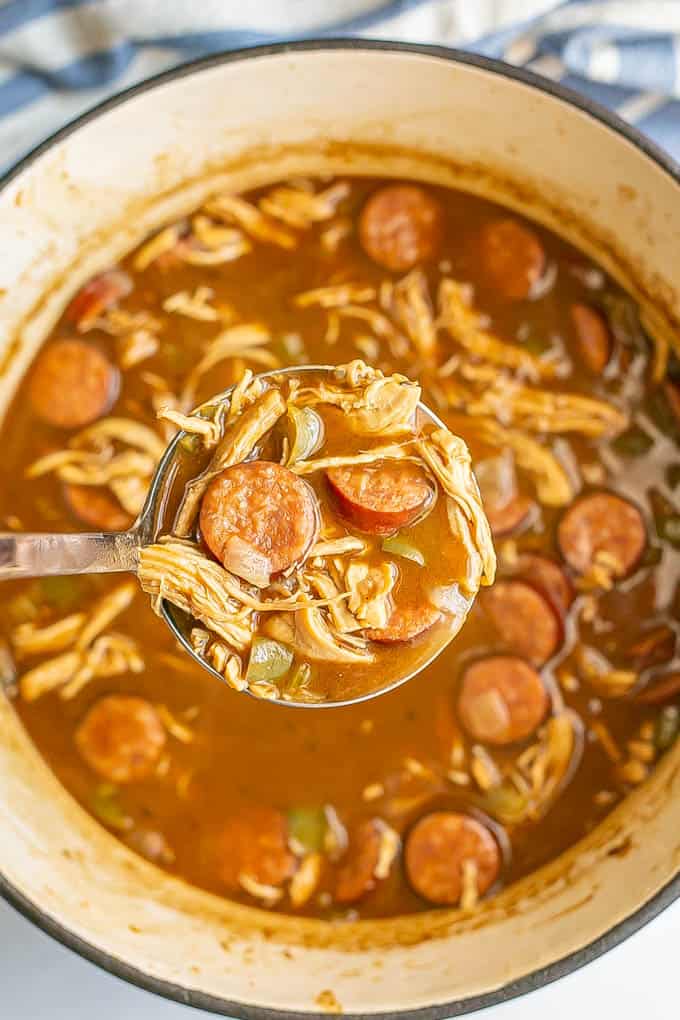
94,190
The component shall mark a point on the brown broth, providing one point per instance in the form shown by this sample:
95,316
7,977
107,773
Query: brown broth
242,751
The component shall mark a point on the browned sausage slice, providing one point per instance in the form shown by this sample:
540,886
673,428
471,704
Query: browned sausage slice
356,877
502,700
380,498
547,577
400,226
99,294
96,508
121,738
505,519
512,257
436,849
525,620
254,842
72,384
259,519
602,527
592,338
405,623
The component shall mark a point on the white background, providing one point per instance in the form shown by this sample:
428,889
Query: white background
40,980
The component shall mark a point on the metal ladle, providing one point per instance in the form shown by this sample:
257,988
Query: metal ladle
24,555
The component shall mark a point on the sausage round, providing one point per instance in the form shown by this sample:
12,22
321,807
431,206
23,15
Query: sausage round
260,510
72,384
99,294
380,498
547,577
502,700
96,508
602,525
525,620
592,338
503,520
254,842
436,849
512,257
405,623
400,226
121,738
356,877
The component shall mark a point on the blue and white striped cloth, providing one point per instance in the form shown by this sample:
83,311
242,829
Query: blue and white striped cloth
59,57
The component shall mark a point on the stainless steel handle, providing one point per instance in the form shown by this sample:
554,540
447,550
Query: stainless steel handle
38,555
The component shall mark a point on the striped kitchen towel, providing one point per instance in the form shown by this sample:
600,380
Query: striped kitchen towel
60,57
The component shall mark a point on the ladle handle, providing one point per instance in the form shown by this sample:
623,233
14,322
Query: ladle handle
38,555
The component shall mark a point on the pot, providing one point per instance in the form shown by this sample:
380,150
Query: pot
88,195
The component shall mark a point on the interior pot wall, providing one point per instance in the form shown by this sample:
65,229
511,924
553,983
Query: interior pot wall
94,194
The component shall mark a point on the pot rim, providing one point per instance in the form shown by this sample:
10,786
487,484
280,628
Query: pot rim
544,975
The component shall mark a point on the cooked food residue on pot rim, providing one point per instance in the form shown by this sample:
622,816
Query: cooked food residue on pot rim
561,691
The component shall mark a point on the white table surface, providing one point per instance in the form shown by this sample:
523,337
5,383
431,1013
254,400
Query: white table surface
40,980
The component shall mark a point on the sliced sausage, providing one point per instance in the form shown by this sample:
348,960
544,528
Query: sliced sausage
121,738
526,622
505,508
400,226
254,842
101,293
605,525
259,519
405,623
503,520
502,700
436,849
512,257
592,338
72,384
97,508
356,876
547,577
380,498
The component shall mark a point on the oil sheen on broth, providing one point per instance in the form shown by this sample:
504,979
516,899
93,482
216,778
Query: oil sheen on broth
562,689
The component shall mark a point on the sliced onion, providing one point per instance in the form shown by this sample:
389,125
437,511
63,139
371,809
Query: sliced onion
397,545
244,561
306,433
449,599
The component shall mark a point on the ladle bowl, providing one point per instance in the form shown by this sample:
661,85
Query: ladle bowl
25,555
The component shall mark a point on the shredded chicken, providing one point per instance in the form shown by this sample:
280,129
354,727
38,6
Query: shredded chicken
91,652
193,306
236,445
553,485
543,410
413,311
300,207
232,209
158,245
370,588
335,296
448,458
310,635
247,340
464,325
